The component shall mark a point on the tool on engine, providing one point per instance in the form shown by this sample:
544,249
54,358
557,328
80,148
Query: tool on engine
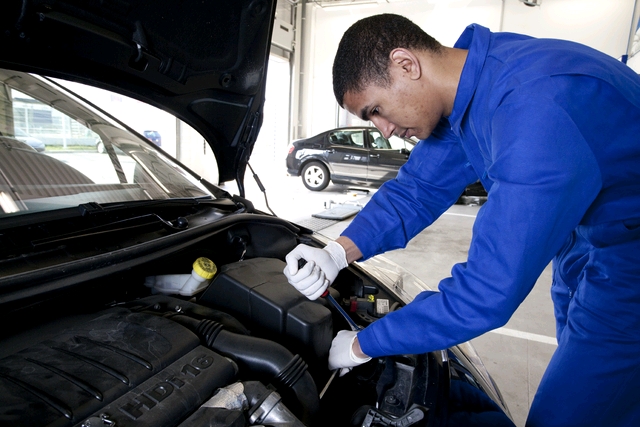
354,327
326,387
352,324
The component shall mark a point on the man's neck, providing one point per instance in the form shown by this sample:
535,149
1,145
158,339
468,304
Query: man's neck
444,69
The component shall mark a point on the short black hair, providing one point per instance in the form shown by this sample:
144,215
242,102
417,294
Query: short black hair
363,54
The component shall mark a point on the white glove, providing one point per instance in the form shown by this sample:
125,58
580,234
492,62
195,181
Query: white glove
321,269
341,355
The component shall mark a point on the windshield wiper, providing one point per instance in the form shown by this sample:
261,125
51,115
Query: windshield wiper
92,208
127,224
106,212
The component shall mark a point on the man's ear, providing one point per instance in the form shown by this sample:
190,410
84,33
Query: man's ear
405,59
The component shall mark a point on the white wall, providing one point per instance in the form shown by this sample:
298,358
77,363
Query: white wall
602,24
270,149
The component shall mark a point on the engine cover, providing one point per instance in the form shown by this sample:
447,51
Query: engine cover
116,364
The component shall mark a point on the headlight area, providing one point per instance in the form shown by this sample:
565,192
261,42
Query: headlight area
405,287
246,350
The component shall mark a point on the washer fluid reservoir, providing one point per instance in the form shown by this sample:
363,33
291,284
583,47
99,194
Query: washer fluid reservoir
184,284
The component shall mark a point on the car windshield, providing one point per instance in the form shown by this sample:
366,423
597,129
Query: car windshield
88,158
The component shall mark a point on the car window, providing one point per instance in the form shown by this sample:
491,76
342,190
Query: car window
398,143
379,142
348,138
88,158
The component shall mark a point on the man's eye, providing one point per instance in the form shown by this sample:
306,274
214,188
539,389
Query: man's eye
374,111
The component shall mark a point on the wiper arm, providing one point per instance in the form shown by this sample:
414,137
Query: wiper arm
136,222
96,210
226,205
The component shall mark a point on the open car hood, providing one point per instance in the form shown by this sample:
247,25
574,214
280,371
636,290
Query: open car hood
205,62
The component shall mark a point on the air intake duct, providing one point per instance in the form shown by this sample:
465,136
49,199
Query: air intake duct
268,360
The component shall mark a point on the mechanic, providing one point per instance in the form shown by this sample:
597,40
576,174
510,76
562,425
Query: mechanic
552,130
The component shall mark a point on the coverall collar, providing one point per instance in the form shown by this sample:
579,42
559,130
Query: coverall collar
476,39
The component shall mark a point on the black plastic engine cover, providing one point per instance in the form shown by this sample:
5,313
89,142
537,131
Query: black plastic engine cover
256,291
171,395
62,373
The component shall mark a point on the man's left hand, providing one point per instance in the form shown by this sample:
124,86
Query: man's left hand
342,356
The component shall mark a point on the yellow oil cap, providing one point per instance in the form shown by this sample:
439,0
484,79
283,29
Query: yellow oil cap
205,268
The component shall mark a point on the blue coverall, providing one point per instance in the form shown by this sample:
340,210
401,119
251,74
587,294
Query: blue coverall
552,129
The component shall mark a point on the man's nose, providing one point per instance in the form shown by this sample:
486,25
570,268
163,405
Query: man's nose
383,125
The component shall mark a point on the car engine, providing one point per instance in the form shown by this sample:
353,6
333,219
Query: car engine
249,350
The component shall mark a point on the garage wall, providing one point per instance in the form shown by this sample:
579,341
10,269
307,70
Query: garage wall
603,25
270,148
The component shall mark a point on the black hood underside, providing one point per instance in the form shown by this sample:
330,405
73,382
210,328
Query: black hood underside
202,61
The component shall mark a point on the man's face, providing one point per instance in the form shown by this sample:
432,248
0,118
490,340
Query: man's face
405,108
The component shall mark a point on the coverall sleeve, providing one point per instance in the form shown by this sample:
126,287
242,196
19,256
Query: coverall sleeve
544,176
428,184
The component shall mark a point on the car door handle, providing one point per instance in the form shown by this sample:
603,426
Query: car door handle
331,151
374,156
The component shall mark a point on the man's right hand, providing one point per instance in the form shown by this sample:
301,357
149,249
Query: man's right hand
321,268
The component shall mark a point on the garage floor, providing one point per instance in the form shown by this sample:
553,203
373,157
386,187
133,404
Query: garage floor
516,355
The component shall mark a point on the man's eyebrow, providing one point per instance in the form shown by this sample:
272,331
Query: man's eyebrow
364,113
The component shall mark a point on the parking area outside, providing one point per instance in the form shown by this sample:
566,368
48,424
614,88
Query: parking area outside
516,355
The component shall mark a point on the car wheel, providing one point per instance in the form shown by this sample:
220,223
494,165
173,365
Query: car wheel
100,147
315,176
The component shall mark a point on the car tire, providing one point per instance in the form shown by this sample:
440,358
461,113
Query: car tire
315,176
100,147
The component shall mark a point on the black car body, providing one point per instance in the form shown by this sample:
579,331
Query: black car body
357,156
352,155
89,337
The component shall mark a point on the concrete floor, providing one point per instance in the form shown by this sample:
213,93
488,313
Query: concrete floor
515,355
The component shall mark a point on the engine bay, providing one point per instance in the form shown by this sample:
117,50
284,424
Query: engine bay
249,350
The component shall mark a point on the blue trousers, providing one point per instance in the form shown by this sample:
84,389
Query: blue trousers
593,378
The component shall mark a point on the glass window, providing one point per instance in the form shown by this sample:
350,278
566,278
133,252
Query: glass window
398,143
57,152
379,142
348,138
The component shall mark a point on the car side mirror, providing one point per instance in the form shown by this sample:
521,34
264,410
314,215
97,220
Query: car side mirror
404,151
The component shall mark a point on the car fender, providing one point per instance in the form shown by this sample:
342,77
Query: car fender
316,158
